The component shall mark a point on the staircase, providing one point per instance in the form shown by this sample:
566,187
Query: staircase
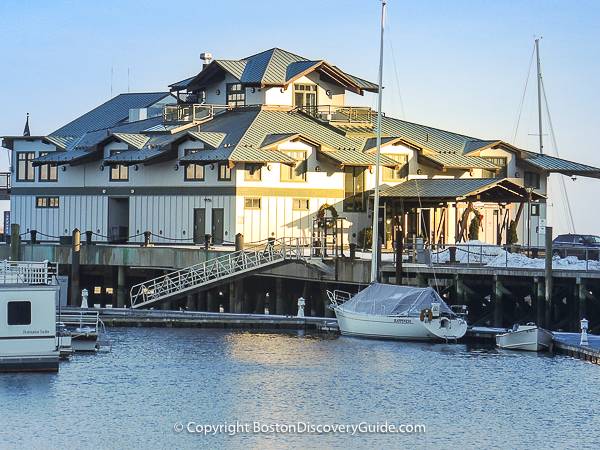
251,259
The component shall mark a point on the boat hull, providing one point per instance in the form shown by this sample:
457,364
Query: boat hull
29,363
530,339
394,327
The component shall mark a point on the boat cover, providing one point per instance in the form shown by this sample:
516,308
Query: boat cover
391,300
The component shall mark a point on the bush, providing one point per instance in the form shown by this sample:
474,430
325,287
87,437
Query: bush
474,227
512,237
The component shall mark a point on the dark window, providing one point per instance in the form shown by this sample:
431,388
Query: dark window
396,174
236,95
252,203
47,202
532,179
501,162
19,313
354,189
25,171
193,172
48,172
252,172
224,172
300,204
298,171
565,239
118,172
305,95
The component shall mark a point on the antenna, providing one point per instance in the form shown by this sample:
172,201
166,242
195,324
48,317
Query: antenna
111,81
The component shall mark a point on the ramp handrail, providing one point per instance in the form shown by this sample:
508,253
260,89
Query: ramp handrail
259,255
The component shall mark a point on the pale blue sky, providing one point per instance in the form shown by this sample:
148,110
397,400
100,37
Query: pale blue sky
460,64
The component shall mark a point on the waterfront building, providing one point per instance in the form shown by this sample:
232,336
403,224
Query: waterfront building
259,146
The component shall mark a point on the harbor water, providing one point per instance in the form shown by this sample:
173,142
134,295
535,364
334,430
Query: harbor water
466,396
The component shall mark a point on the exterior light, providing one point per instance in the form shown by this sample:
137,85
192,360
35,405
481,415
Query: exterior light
517,174
132,191
101,167
136,167
176,167
419,171
218,92
63,168
328,92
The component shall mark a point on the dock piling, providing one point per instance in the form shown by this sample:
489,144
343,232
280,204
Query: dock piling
74,278
548,277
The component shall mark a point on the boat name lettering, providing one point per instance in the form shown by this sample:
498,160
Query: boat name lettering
36,331
403,321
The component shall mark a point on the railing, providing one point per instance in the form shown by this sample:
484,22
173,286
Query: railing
4,181
186,113
343,114
28,272
251,258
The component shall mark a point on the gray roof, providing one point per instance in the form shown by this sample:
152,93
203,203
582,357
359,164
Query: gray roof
67,157
133,139
211,138
358,158
437,187
454,161
109,114
558,165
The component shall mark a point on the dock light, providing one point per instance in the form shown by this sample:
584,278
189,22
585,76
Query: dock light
221,293
584,329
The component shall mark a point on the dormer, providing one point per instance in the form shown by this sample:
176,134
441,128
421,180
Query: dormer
274,77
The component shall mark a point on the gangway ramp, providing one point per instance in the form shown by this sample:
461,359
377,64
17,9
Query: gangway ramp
217,270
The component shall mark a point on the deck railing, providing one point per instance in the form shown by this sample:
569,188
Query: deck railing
341,114
28,272
189,112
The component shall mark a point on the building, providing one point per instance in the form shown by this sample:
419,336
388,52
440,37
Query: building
258,146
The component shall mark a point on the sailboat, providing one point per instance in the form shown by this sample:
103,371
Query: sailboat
391,311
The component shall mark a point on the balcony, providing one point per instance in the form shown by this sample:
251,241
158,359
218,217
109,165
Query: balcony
340,114
188,113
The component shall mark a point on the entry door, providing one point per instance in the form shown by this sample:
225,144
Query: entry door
217,225
199,225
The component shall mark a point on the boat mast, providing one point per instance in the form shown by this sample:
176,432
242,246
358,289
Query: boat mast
375,239
539,93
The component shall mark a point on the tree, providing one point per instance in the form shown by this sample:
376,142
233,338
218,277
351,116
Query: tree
512,237
474,226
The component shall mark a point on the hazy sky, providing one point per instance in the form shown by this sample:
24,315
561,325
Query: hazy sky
458,65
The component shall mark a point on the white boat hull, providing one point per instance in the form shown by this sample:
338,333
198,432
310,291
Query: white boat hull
531,339
396,327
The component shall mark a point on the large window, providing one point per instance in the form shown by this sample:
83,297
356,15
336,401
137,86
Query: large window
532,179
118,172
19,313
224,172
354,189
296,172
193,172
392,174
252,172
48,172
236,95
501,162
300,204
25,171
305,95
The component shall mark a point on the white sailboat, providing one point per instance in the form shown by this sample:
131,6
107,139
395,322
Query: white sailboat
390,311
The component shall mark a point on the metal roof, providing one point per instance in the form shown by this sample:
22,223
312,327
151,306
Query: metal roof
357,158
62,157
211,138
132,139
110,113
558,165
454,161
60,141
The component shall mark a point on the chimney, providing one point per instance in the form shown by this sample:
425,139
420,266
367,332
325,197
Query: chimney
207,58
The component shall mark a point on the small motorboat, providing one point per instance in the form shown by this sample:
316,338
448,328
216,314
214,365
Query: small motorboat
528,337
396,312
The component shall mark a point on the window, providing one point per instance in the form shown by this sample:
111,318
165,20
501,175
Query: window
305,95
25,170
252,172
193,172
19,313
48,172
532,179
300,204
46,202
298,171
354,189
118,172
252,203
391,174
236,95
224,172
535,210
501,162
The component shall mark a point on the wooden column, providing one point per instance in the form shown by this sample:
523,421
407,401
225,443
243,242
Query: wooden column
75,297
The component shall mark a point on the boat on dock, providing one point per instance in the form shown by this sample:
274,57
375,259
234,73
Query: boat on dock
28,299
528,337
85,328
396,312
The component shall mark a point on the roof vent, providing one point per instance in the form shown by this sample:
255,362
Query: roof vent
206,58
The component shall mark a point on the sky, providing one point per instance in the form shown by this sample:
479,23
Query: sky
458,65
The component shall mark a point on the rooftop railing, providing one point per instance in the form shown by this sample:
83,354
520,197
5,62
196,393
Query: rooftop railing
340,114
189,112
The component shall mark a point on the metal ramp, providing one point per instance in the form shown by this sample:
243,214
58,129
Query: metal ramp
251,259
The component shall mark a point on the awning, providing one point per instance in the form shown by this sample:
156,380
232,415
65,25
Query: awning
249,155
501,190
143,156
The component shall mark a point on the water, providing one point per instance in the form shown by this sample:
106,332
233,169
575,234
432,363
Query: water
467,397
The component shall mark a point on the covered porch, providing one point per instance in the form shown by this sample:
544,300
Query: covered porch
440,210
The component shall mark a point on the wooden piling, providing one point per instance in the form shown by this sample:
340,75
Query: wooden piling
498,294
201,304
15,242
212,302
75,297
548,278
121,289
